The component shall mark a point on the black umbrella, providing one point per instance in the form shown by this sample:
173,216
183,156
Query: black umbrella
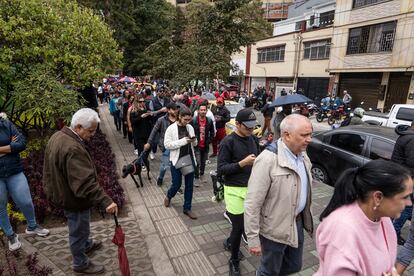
290,99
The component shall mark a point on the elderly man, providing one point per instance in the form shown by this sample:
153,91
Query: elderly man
277,205
71,183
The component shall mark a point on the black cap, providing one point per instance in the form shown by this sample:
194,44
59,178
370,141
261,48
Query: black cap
246,117
172,105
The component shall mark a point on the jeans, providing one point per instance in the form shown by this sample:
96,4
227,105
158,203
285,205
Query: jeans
16,185
405,214
117,119
201,157
176,184
79,241
281,259
165,163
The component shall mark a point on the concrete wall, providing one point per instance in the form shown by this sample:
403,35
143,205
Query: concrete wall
314,68
274,69
402,56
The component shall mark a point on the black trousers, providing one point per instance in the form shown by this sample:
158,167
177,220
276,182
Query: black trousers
237,229
201,157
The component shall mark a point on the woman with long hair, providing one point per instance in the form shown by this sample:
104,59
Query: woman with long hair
356,235
140,122
180,139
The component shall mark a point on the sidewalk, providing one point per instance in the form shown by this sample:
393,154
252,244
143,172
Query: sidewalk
163,241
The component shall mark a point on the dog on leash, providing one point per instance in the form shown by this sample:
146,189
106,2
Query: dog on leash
135,168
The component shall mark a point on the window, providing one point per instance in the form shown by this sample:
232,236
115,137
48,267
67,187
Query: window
381,149
326,18
349,142
300,26
317,49
372,39
361,3
271,54
405,114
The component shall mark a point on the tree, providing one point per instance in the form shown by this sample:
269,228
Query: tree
47,46
212,33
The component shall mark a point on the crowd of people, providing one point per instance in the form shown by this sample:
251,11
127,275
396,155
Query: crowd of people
267,188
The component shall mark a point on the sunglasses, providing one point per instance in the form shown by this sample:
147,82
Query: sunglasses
141,101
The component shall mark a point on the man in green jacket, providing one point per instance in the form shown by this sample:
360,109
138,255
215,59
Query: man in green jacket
70,181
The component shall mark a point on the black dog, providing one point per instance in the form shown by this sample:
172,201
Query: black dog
135,168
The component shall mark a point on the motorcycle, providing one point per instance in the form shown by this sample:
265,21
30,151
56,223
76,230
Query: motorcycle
338,114
322,113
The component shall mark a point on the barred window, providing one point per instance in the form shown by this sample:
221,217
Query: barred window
317,49
361,3
372,39
271,54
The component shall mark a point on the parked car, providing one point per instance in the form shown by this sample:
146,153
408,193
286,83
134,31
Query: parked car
400,114
331,152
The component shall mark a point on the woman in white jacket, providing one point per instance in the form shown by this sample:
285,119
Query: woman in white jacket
180,139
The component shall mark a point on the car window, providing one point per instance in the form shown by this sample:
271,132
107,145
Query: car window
406,114
349,142
381,149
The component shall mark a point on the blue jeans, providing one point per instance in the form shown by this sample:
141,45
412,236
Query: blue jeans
405,214
79,241
176,184
281,259
117,119
165,163
16,185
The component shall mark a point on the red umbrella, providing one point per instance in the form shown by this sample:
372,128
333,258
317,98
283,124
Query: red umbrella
119,239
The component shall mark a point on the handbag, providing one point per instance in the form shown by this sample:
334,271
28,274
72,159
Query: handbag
185,165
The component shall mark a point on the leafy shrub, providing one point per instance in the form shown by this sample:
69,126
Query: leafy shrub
33,267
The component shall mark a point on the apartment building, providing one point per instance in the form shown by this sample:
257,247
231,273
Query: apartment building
372,51
296,57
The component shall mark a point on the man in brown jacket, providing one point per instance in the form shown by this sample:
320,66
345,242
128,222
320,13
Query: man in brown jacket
277,206
70,181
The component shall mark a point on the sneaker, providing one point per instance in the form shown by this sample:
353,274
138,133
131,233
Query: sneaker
152,156
244,237
196,183
180,191
14,243
226,216
95,246
400,240
234,268
91,269
144,169
136,152
190,214
40,231
159,182
167,202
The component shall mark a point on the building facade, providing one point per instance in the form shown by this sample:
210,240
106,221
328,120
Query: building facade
372,52
296,57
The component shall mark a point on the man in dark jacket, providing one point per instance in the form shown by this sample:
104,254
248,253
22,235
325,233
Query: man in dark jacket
403,154
222,116
204,131
159,130
235,160
70,182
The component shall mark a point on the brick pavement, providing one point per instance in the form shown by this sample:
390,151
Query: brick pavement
163,241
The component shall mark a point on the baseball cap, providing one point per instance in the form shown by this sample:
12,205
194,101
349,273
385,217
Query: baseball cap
172,106
246,117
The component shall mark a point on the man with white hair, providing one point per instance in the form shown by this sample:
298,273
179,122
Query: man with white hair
71,183
277,205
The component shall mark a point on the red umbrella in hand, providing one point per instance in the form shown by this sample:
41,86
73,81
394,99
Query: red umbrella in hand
119,239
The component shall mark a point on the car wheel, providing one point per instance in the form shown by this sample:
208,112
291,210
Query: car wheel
319,173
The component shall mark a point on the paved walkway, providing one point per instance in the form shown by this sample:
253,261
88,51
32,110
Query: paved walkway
163,241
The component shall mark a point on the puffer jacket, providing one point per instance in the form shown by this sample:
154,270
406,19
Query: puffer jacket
10,163
403,152
272,198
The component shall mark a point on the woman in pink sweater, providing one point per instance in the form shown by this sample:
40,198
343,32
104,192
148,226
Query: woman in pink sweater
356,235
